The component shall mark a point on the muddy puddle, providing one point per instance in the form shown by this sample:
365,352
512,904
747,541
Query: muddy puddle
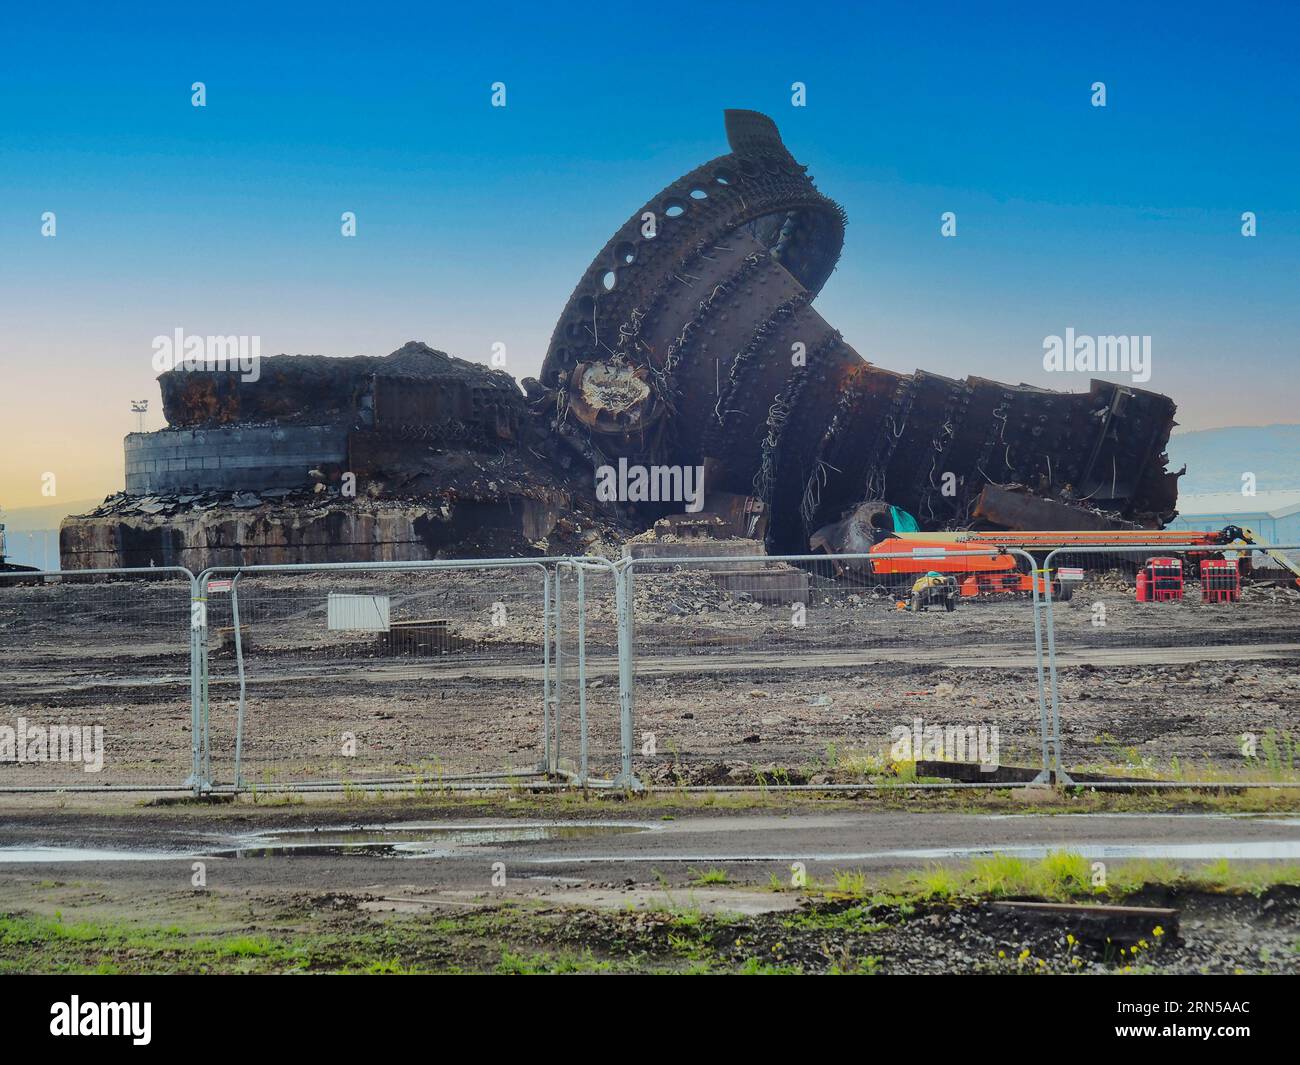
37,855
395,841
412,841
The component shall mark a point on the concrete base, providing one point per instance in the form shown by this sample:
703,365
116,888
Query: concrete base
777,584
764,581
671,549
337,532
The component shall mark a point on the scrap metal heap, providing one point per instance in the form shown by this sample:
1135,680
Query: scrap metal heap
691,340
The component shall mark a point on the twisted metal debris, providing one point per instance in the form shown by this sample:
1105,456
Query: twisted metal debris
703,299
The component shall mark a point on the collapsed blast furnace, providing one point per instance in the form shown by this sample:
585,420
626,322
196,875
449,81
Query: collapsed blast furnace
691,340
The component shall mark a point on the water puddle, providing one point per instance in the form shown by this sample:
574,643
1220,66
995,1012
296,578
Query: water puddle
405,840
43,855
413,841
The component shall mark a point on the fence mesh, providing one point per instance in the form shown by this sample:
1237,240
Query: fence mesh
751,670
1177,665
833,670
586,646
368,675
95,680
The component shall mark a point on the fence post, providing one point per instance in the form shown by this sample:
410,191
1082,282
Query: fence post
1061,775
623,606
1044,772
239,665
198,649
548,609
582,674
557,700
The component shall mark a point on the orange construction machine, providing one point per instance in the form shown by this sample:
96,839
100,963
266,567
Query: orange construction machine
1001,573
995,573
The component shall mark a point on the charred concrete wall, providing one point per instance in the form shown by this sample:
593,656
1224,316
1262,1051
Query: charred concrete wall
443,455
231,458
340,532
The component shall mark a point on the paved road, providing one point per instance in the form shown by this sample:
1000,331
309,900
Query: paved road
459,855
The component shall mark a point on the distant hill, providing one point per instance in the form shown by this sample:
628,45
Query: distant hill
48,516
1216,458
33,532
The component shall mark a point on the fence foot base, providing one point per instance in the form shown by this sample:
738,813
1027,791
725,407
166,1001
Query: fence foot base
198,785
629,782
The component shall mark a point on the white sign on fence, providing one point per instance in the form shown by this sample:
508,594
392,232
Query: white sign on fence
1069,573
219,585
358,613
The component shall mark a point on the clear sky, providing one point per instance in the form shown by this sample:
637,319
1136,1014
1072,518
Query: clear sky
475,222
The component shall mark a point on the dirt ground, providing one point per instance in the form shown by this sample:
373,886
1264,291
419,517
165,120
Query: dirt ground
301,932
729,685
260,908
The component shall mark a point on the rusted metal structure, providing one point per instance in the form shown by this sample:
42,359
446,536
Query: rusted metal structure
692,340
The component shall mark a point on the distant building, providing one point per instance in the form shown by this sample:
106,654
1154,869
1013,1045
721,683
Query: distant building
1274,517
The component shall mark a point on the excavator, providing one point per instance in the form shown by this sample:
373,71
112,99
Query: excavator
1001,573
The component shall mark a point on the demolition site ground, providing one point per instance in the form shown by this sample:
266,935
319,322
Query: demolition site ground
425,876
727,690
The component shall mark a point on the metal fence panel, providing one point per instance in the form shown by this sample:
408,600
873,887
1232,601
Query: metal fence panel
834,669
95,680
587,745
1192,676
426,673
751,670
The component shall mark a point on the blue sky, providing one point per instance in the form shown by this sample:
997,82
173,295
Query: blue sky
474,223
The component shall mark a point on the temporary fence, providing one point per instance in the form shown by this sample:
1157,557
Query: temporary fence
771,670
588,712
977,666
97,683
1183,639
369,673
